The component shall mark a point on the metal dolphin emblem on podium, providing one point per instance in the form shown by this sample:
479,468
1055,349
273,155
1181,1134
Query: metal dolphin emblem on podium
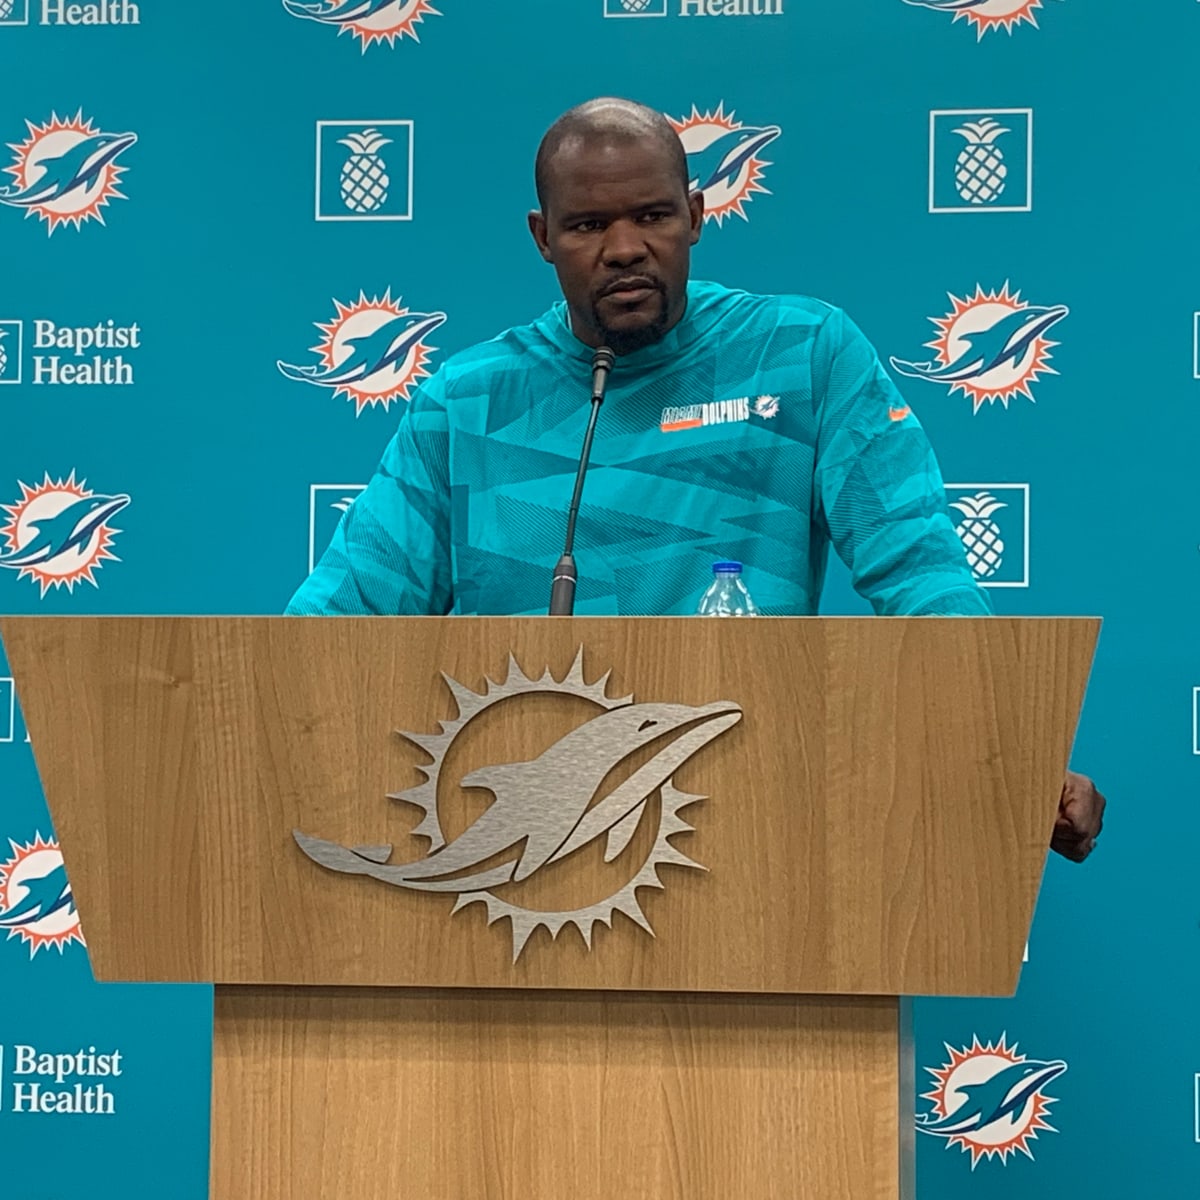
545,805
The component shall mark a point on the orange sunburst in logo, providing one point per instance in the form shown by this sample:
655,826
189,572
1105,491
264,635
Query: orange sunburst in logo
976,315
354,324
36,904
1002,1082
397,20
1000,14
74,164
58,532
724,160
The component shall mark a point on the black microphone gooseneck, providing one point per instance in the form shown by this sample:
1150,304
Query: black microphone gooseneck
562,591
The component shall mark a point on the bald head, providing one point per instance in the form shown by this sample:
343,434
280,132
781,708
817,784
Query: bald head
607,121
617,221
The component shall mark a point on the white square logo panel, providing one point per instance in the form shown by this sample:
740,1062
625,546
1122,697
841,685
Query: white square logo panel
14,12
635,8
327,502
992,522
12,350
364,170
981,160
8,711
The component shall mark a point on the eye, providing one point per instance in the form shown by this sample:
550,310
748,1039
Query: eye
653,217
589,226
649,723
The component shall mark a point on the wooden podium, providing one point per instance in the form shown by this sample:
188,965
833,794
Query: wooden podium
797,822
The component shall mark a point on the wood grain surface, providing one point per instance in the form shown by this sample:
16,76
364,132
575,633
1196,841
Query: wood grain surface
383,1095
876,824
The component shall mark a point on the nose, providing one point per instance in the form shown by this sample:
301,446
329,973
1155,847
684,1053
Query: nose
624,245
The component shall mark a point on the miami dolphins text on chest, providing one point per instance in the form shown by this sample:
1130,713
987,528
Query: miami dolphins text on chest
731,8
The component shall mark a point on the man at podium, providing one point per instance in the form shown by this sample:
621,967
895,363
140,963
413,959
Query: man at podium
760,428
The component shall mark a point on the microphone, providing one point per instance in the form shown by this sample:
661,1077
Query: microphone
562,590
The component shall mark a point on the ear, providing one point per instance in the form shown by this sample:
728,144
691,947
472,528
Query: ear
696,210
537,227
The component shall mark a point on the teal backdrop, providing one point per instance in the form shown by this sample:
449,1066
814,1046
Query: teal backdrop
944,171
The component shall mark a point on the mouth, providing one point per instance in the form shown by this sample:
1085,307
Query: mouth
632,291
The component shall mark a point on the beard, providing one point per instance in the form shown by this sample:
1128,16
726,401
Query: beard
628,339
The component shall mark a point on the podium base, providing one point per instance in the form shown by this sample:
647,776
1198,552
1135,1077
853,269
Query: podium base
326,1093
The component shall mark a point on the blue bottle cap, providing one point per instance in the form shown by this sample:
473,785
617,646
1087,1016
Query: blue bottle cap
722,567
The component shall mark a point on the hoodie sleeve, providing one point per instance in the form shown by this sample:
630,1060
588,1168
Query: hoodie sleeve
879,490
390,554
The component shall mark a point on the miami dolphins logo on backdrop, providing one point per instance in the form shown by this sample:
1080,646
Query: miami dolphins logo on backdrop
724,159
36,904
549,807
66,171
986,15
989,1100
58,533
990,346
373,351
368,20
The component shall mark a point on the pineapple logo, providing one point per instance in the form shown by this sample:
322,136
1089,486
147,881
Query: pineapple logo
980,535
364,176
10,351
36,904
981,161
724,160
14,12
364,170
373,351
635,8
992,522
368,20
66,171
986,15
981,169
990,346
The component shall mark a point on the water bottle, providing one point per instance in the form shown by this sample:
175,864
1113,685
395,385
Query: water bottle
727,597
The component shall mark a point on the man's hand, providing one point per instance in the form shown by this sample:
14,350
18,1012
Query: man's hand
1080,818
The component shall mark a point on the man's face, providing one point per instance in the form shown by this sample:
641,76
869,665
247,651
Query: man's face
618,227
